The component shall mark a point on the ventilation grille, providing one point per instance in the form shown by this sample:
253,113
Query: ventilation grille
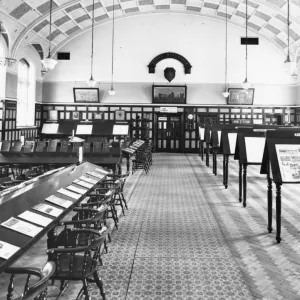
63,55
251,41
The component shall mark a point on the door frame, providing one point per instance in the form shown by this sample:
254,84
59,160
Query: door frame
155,128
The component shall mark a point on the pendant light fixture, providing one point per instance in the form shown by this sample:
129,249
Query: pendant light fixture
246,84
112,92
49,63
289,66
225,93
91,82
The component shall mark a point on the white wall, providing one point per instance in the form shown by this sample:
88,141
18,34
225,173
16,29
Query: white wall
200,40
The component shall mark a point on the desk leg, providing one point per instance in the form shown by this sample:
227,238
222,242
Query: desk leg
224,176
216,164
240,182
128,163
244,185
226,170
207,155
202,151
278,212
270,205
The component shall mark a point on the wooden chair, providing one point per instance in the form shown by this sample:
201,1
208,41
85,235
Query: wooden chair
36,291
75,262
5,146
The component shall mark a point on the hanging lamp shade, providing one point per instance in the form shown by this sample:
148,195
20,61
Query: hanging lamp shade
91,82
49,62
289,66
111,92
246,84
225,94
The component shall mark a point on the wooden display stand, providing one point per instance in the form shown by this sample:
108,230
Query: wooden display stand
206,144
281,163
201,129
215,141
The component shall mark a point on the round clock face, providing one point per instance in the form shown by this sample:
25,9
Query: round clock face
190,117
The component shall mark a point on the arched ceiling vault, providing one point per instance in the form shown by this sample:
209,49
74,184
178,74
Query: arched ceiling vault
70,18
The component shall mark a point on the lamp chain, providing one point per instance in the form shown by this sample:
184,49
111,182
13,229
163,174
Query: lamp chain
112,46
246,40
50,29
92,53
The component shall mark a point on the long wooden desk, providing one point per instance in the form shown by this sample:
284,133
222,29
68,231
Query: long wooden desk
15,203
57,158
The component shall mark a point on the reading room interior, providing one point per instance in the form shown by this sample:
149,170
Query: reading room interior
149,149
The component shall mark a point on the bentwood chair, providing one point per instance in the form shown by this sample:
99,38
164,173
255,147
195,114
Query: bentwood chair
36,290
77,262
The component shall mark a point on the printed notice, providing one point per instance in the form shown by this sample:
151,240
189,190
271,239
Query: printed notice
232,141
83,183
76,189
22,227
88,179
59,201
95,174
35,218
7,250
289,162
255,149
48,209
69,194
219,137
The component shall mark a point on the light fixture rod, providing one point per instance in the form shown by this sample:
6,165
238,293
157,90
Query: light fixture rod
246,39
113,46
50,29
92,53
226,49
288,27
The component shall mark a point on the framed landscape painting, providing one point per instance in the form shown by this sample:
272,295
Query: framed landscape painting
169,94
86,95
240,96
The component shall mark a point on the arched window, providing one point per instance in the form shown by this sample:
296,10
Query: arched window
26,95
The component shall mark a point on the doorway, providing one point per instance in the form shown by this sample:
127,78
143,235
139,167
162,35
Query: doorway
168,137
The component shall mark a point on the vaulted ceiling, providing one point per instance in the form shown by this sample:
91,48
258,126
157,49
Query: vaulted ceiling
28,20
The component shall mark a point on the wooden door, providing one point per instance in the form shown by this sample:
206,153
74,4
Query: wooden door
168,133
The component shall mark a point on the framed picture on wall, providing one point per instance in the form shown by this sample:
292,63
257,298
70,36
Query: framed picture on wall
239,96
86,95
169,94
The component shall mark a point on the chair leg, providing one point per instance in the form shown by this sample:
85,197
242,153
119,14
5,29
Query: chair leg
85,290
124,200
99,283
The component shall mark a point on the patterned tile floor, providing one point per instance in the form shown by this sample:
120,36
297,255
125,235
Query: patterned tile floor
186,237
272,270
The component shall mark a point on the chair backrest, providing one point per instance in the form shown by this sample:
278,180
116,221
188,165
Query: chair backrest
97,146
29,146
64,146
75,147
105,147
40,147
16,146
52,146
5,145
87,147
38,290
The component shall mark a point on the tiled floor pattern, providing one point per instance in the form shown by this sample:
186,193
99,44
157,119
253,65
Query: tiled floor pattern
169,245
272,270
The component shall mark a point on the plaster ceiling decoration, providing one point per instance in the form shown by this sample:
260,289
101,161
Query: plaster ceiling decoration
267,18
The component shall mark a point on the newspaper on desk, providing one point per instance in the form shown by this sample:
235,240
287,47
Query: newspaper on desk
88,179
76,189
35,218
7,250
59,201
69,193
22,227
83,183
48,209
